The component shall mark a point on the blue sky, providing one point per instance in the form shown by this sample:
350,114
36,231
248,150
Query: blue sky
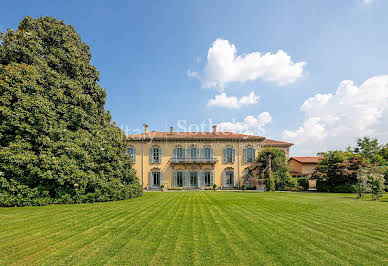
145,49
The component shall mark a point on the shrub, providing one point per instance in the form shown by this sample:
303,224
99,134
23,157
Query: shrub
303,182
370,181
214,187
293,188
175,188
243,187
344,188
322,186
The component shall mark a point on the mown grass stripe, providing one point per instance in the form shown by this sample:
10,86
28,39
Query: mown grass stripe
201,227
81,228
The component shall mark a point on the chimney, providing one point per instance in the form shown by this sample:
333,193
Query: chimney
214,129
171,130
145,128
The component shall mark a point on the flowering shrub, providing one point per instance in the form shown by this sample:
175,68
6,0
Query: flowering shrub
370,182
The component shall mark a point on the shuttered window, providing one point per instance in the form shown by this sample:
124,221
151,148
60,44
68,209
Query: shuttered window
229,155
207,153
180,153
193,153
249,155
155,155
132,153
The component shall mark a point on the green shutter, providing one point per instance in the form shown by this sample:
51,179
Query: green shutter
160,155
224,181
196,152
224,158
203,153
151,155
188,178
150,179
175,153
134,155
211,153
175,178
198,178
211,178
183,179
245,155
189,153
254,154
233,155
234,179
161,178
184,153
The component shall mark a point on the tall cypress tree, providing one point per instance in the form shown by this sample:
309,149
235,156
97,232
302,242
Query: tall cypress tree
57,141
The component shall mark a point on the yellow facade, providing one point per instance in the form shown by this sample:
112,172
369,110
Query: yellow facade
168,165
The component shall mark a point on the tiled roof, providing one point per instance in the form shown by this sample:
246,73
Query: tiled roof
271,142
307,159
157,135
192,135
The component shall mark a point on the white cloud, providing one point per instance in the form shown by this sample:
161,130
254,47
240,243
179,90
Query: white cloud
333,120
368,1
222,100
224,66
250,124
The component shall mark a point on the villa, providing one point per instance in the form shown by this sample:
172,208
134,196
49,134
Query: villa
195,159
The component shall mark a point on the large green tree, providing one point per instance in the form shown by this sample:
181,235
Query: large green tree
271,164
57,141
370,149
339,167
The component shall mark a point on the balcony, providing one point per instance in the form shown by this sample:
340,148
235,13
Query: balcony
193,160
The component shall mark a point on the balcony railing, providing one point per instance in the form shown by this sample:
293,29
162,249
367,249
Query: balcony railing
193,160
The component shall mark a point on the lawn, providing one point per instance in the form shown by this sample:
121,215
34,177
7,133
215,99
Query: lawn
200,228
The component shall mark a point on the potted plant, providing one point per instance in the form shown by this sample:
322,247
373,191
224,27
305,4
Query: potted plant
243,187
162,187
260,184
214,187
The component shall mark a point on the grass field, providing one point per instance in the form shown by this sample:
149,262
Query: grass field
200,228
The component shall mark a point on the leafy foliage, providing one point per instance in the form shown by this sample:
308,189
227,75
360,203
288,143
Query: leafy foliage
58,144
276,176
370,149
338,167
370,181
303,182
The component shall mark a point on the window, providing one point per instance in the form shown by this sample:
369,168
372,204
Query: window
228,155
132,153
193,153
249,155
193,179
207,153
228,178
180,153
155,155
207,178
